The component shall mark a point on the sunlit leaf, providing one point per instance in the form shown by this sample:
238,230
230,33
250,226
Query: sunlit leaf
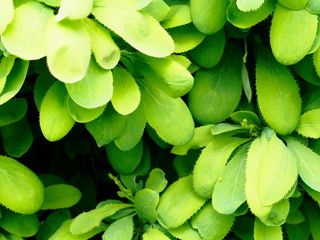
154,234
309,125
121,229
177,16
6,14
146,202
263,232
74,9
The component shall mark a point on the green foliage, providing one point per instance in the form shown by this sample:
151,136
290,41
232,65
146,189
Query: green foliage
204,114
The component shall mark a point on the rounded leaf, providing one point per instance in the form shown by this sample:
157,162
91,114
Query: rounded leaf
6,14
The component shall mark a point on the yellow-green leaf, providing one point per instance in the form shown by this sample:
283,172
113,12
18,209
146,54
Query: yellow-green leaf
74,9
263,232
309,125
6,14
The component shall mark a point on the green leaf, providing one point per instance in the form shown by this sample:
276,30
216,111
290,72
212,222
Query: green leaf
211,163
309,125
185,232
263,232
249,117
177,16
292,34
308,164
307,71
209,52
154,234
6,65
94,89
13,111
60,196
6,14
146,202
124,162
316,43
107,127
126,93
137,28
247,19
63,232
20,189
202,136
278,94
185,37
105,50
231,185
74,9
14,80
18,224
52,223
313,6
243,228
300,231
143,3
25,35
249,5
81,114
55,120
164,114
133,130
68,56
52,3
121,229
294,4
226,128
315,195
156,180
87,221
42,85
178,203
214,229
209,16
311,210
17,137
157,9
216,92
295,217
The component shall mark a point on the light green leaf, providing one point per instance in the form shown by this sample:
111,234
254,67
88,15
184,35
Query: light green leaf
87,221
164,114
17,137
55,120
74,9
263,232
278,94
68,56
106,52
157,9
142,3
313,6
13,111
14,80
121,229
177,16
216,92
214,229
316,43
250,118
124,162
60,196
243,19
185,232
154,234
309,125
94,89
6,14
133,130
308,163
202,136
292,34
294,4
81,114
25,35
209,16
169,75
63,232
107,127
6,65
126,93
18,224
42,85
185,37
52,3
231,185
156,180
209,52
20,189
178,203
146,202
249,5
226,128
137,28
211,163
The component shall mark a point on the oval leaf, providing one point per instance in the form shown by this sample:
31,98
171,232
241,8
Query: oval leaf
74,9
249,5
121,229
20,189
154,234
6,14
294,4
146,202
185,232
156,180
68,56
12,111
25,35
263,232
137,28
292,34
55,120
